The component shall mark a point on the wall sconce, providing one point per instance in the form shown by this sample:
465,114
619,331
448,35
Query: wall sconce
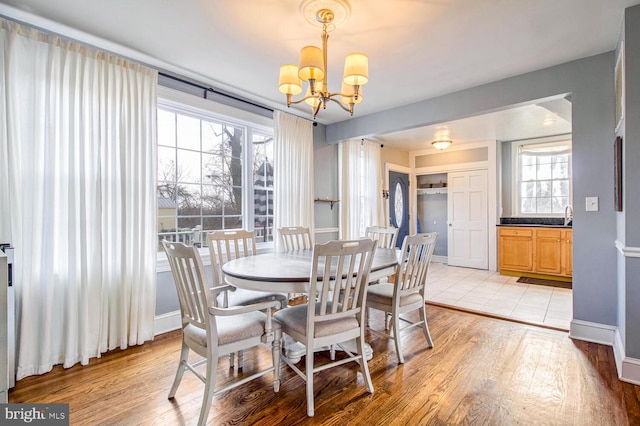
385,194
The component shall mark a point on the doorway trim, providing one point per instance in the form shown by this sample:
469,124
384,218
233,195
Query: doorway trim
491,165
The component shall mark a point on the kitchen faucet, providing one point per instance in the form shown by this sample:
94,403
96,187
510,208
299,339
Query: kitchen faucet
568,215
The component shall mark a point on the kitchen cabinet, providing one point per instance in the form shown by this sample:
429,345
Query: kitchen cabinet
515,249
535,251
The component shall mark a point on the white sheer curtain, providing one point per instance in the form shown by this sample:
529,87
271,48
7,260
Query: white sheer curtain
78,154
293,173
360,188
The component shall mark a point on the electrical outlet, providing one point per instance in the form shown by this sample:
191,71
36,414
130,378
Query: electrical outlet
591,204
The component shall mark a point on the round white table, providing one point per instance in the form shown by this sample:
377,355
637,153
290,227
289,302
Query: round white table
289,272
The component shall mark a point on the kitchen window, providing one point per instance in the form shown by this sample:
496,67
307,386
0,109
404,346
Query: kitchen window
542,174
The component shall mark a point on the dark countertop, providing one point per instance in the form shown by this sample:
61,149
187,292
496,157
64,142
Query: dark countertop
530,225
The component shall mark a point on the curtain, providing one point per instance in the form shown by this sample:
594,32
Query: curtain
293,173
360,188
78,160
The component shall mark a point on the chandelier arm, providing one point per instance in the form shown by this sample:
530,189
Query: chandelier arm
349,110
303,99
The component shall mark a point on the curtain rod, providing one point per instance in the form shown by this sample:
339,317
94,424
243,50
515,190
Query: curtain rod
210,89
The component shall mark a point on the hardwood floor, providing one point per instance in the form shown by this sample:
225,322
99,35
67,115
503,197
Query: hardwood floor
482,371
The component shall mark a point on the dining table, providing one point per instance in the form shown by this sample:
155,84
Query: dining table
289,272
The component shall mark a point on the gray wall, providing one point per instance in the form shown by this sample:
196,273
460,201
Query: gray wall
628,232
590,83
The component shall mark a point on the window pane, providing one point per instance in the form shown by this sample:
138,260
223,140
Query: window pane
543,189
543,205
212,197
233,138
527,160
544,171
188,132
528,173
558,204
232,222
188,197
561,187
528,205
560,170
212,223
166,128
528,189
211,137
189,169
166,164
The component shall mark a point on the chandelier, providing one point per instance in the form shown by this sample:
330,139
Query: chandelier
312,67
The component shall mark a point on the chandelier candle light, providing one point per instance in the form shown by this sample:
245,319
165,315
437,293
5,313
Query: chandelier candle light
313,64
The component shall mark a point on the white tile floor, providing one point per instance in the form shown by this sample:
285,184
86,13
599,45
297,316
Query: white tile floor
500,295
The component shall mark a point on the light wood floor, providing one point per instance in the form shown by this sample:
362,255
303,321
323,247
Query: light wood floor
482,371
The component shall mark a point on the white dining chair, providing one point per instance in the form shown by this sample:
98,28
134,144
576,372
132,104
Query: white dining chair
212,331
323,321
226,245
407,293
385,236
295,238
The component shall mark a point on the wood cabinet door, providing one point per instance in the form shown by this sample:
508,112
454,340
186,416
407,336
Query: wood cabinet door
549,248
567,253
515,250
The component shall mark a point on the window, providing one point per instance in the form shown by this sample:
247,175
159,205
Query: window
543,178
203,184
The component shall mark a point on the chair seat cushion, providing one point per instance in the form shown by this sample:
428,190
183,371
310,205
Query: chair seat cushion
383,294
294,322
242,297
231,329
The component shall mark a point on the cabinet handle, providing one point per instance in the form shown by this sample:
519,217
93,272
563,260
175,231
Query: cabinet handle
515,232
557,241
569,241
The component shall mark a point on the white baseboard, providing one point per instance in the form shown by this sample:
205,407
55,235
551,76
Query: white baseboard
439,259
592,332
167,322
628,368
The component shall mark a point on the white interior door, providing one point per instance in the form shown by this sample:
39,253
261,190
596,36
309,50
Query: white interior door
468,211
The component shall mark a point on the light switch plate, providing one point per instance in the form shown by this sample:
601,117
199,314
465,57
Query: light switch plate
591,204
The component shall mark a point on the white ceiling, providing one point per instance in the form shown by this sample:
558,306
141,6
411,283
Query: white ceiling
417,49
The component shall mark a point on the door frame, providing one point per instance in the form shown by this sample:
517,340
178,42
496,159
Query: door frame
493,213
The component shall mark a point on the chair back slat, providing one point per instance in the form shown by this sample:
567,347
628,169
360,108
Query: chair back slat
190,280
386,237
295,238
417,251
340,271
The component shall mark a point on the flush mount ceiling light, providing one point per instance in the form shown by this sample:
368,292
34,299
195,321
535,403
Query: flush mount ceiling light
312,67
443,144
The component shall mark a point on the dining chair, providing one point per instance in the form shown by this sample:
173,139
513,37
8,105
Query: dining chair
211,331
334,312
407,293
226,245
295,238
386,237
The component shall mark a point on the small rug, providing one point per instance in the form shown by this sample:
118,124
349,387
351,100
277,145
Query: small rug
540,281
